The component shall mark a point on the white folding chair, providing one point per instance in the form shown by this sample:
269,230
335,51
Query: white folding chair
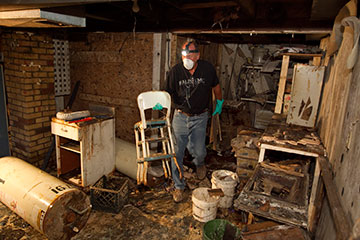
147,100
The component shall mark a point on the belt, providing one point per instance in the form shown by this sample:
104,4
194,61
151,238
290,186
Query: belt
190,114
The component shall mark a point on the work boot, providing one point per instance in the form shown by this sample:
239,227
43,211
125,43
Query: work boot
201,172
178,195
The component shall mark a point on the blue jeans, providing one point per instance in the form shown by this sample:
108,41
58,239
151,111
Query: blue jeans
189,132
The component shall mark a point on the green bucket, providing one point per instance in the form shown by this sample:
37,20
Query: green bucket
219,229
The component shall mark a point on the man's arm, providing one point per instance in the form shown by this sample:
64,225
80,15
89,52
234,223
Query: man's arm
217,92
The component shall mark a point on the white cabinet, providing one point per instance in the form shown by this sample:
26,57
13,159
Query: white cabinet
87,146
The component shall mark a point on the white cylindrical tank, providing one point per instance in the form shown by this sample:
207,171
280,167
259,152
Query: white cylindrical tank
51,206
125,158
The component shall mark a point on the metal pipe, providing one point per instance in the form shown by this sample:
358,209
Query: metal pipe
42,200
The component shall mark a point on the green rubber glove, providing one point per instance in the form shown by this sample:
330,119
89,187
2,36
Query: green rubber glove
158,106
218,108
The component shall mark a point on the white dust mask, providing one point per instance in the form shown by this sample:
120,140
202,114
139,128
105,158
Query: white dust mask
188,63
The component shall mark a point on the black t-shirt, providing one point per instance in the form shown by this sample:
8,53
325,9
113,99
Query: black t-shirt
191,94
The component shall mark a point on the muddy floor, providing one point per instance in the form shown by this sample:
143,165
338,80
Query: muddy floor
149,213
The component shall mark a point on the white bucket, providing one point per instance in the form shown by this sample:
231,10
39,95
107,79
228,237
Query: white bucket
204,206
227,181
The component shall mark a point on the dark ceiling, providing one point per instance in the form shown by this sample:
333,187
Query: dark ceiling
267,21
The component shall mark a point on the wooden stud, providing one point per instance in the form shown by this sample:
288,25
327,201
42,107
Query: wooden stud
316,197
282,83
316,61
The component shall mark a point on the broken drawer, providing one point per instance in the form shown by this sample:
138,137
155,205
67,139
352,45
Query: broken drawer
67,130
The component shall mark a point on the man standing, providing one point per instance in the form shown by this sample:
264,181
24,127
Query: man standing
190,85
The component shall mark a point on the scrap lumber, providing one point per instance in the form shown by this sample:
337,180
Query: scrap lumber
245,148
278,232
279,134
315,203
270,193
341,221
216,192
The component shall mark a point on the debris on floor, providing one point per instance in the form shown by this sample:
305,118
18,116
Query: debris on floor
277,194
246,151
151,213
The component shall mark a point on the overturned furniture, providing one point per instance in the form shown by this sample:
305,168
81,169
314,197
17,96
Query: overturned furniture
285,184
148,131
51,206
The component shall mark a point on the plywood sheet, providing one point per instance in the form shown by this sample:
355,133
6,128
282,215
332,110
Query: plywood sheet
305,95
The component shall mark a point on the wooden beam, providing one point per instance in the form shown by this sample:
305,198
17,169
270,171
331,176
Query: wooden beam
282,83
257,30
177,6
303,55
209,5
342,223
248,6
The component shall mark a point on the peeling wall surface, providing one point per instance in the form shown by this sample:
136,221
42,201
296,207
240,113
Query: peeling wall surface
338,121
113,69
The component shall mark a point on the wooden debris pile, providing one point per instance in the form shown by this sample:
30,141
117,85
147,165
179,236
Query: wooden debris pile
245,148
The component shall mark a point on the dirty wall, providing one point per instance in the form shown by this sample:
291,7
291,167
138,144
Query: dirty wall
113,68
29,83
338,123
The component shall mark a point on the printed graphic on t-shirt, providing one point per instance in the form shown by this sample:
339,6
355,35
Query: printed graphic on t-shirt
191,82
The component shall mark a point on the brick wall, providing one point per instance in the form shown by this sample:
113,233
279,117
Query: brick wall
29,83
113,69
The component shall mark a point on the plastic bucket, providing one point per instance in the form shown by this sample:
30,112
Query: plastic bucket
227,181
219,229
204,206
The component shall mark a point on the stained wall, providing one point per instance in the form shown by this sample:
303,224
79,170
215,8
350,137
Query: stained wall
113,69
29,84
338,121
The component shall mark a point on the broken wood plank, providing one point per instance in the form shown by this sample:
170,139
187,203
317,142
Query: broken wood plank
250,218
277,233
216,192
282,82
342,223
317,194
262,226
277,168
316,61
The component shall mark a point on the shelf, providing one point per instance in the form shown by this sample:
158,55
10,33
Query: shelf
302,55
71,146
258,67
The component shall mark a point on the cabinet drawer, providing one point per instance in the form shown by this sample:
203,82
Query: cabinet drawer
65,131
